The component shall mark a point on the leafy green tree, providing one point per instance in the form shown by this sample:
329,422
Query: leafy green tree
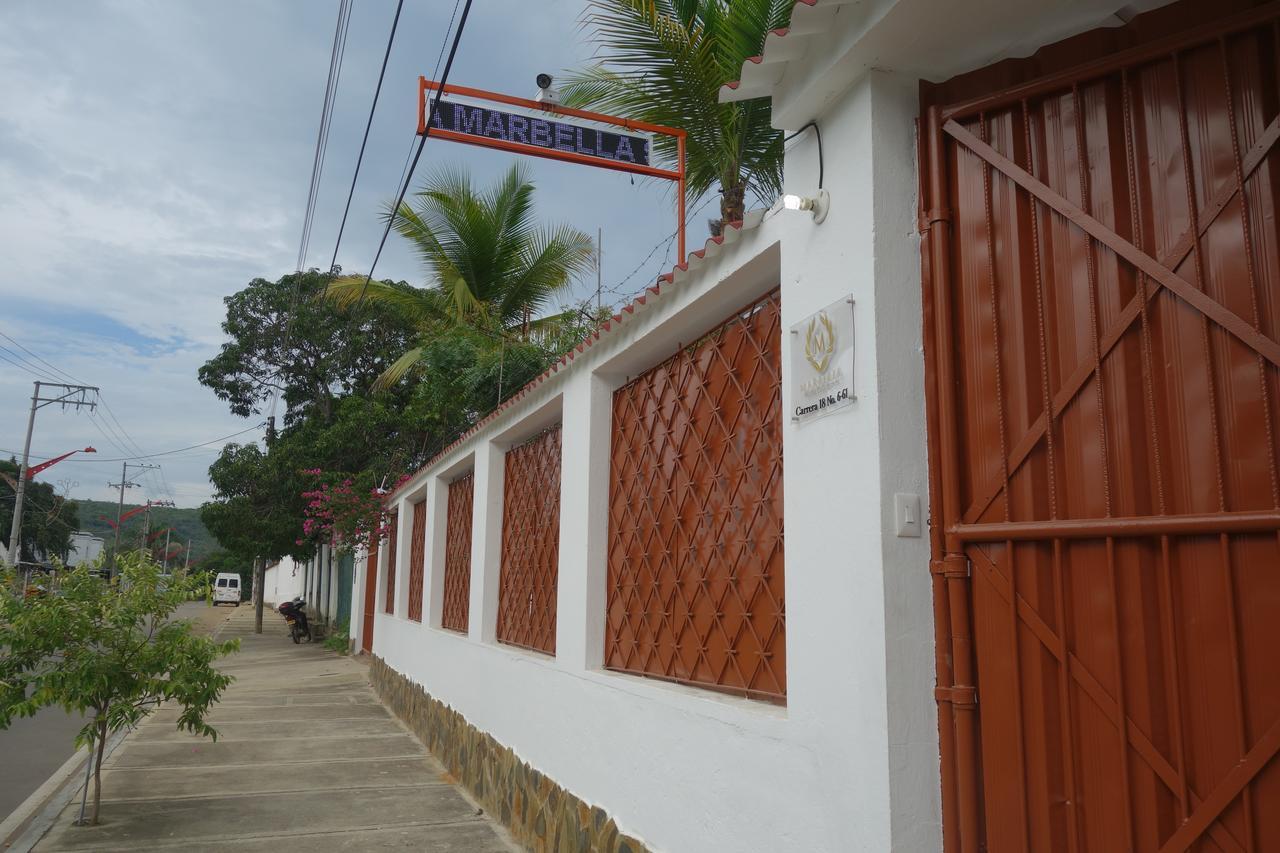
111,650
255,506
664,61
488,263
283,340
48,520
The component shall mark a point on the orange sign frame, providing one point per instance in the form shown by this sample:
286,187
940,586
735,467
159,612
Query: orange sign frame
677,175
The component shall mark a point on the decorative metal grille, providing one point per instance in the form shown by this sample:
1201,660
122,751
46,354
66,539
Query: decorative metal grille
457,554
392,525
370,591
417,559
695,589
531,544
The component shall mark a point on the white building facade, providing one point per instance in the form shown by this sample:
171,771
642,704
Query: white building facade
842,750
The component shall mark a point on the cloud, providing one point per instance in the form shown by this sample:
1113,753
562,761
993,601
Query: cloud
155,157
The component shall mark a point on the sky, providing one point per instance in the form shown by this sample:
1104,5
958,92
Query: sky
155,157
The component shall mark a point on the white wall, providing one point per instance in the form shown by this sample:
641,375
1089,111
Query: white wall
851,762
841,472
283,581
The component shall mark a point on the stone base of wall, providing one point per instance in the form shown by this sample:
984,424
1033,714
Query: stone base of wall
539,813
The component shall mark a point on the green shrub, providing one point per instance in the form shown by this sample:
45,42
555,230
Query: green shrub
338,639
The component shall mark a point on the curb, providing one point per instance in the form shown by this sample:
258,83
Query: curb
48,801
28,807
38,812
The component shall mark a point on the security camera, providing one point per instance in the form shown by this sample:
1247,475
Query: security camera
546,94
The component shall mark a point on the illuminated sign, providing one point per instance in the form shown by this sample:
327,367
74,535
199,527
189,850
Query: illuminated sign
562,136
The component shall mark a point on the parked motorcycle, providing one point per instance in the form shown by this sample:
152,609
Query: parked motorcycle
294,613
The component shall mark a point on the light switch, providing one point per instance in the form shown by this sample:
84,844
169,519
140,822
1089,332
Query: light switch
906,513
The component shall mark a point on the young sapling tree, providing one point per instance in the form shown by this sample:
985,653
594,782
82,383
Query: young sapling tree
111,650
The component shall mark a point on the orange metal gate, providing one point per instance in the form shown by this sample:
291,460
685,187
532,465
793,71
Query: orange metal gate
1102,308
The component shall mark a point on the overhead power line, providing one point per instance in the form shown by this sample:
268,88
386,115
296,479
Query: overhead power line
109,427
161,453
377,91
336,54
22,364
408,179
326,119
62,373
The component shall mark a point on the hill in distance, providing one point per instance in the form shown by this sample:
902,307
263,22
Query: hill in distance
98,518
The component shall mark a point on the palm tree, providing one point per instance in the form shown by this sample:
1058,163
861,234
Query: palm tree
489,264
664,62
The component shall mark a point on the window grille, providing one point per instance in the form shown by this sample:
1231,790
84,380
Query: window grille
530,544
370,592
457,554
390,604
695,587
417,559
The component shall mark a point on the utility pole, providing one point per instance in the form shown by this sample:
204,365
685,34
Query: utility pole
187,567
146,529
144,547
599,264
167,531
122,485
72,395
257,595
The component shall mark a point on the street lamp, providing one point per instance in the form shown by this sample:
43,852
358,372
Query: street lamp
49,463
28,472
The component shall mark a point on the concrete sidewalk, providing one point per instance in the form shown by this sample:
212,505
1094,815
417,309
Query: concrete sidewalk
306,758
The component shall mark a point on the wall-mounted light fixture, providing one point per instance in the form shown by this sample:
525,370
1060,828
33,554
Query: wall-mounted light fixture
817,205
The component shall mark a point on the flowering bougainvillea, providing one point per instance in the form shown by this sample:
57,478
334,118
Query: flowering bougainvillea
344,513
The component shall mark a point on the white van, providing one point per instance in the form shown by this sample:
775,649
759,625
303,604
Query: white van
226,588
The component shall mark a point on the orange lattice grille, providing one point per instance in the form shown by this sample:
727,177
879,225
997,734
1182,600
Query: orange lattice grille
457,555
531,544
390,604
695,589
417,555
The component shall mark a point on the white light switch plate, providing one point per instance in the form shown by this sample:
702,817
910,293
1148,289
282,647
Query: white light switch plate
906,515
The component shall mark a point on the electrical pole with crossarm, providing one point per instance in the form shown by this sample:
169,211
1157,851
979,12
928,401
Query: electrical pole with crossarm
122,485
75,396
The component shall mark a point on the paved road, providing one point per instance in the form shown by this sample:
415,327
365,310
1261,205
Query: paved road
306,758
35,747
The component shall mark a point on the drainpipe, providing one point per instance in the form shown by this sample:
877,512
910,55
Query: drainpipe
956,694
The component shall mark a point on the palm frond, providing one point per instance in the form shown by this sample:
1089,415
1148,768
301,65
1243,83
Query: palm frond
552,258
412,304
664,61
399,369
